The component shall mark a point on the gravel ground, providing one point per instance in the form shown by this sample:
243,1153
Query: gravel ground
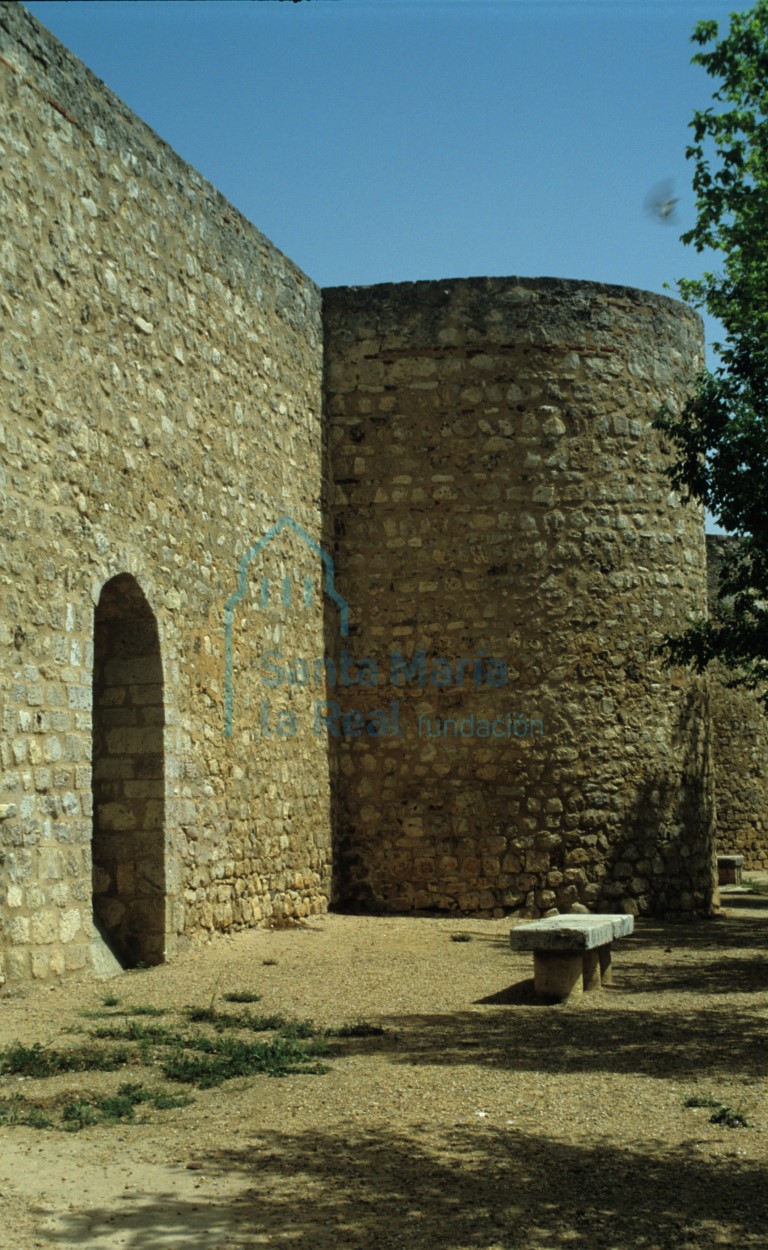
479,1120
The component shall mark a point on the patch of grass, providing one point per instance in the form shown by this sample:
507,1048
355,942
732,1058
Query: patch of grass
75,1113
38,1061
165,1101
222,1059
79,1114
218,1051
234,1020
461,937
730,1117
756,887
109,1000
360,1028
261,1024
203,1015
134,1031
19,1110
722,1115
241,996
269,963
293,1029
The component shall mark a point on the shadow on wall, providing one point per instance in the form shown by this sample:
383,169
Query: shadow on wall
656,861
128,775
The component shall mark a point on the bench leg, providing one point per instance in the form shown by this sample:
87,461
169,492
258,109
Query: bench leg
557,974
592,977
606,967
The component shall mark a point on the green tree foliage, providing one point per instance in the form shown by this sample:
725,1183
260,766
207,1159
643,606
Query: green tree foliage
721,435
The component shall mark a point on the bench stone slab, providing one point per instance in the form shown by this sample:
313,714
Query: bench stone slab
729,869
571,953
570,933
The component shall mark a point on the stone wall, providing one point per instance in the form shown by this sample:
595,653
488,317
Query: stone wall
740,737
499,500
194,701
161,396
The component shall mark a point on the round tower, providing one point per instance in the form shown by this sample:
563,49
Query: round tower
512,553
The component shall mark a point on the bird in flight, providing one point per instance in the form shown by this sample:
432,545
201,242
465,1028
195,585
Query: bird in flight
660,202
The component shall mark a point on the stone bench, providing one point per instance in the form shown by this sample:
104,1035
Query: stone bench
729,869
570,953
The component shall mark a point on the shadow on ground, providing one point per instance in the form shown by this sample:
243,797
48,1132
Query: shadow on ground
466,1188
629,1027
745,902
498,1186
521,1038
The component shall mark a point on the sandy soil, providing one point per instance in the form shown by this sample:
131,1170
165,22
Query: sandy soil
480,1120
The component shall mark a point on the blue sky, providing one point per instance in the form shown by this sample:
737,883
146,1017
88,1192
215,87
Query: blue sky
392,140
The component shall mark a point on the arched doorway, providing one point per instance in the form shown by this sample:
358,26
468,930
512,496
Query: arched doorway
128,775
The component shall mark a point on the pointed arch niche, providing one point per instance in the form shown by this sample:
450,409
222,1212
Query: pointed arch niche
128,779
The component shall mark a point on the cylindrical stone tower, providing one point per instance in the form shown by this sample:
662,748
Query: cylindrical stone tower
512,553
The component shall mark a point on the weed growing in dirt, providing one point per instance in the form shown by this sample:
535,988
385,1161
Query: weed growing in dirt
241,996
74,1113
730,1117
234,1020
221,1059
293,1029
206,1058
723,1114
134,1031
19,1110
461,937
360,1028
38,1061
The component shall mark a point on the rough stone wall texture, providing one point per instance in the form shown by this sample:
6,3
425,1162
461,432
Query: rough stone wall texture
498,493
161,377
740,748
176,750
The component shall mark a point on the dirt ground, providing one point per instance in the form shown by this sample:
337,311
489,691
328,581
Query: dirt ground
479,1120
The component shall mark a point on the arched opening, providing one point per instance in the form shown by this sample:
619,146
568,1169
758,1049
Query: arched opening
128,775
